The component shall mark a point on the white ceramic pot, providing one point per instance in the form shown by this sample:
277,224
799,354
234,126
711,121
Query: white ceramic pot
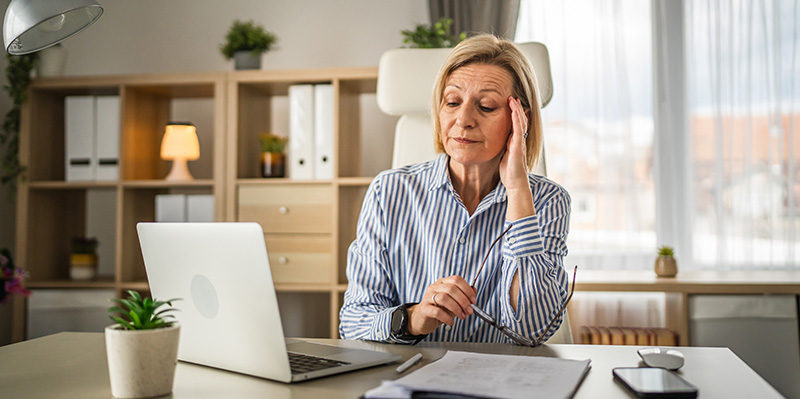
52,61
141,364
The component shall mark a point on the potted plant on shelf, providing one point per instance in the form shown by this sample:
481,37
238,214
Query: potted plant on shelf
83,258
273,161
432,36
666,265
142,347
245,42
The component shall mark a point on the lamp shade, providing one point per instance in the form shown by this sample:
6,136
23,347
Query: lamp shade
180,142
33,25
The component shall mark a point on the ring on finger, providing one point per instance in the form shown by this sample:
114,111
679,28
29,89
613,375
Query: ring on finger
433,298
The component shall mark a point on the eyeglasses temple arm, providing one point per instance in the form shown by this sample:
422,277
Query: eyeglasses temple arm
564,306
478,273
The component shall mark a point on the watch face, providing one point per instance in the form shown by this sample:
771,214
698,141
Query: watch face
397,320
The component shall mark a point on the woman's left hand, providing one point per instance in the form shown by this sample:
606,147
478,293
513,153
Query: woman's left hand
513,165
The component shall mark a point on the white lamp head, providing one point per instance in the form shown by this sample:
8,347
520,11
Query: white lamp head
33,25
180,144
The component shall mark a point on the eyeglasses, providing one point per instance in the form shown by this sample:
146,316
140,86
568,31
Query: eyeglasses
515,336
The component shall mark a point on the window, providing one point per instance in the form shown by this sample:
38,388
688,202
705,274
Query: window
724,184
599,125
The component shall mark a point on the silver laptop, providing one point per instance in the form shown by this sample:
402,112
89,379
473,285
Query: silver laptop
229,311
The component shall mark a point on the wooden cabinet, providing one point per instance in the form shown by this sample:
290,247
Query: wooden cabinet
308,225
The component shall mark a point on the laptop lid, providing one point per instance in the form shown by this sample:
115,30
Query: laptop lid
229,313
228,310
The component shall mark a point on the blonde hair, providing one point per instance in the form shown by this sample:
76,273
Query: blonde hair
491,50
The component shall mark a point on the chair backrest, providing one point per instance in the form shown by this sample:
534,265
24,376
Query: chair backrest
405,88
564,333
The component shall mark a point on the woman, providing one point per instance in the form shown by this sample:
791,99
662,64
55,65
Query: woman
424,229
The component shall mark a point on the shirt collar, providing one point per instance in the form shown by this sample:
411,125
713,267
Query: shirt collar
441,177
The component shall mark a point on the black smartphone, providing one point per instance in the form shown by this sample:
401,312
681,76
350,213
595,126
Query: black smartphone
653,382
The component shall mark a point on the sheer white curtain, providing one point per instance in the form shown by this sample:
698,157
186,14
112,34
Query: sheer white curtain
598,140
599,125
744,107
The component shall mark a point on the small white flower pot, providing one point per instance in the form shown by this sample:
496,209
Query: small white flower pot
141,364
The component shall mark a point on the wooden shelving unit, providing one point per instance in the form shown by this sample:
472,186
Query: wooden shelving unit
308,224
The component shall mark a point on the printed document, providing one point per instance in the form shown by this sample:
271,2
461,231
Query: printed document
491,376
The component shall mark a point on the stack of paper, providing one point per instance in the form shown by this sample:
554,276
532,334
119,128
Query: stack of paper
489,376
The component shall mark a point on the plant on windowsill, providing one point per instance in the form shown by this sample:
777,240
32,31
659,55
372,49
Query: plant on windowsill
273,160
142,347
245,42
83,258
666,265
435,36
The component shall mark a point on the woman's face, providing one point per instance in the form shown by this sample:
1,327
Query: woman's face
474,115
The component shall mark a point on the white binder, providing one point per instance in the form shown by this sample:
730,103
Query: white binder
323,131
301,131
79,135
200,208
107,127
171,208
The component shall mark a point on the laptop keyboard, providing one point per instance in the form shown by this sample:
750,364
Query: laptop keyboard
304,363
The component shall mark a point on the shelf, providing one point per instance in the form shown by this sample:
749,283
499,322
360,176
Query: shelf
68,185
310,222
281,181
167,184
70,284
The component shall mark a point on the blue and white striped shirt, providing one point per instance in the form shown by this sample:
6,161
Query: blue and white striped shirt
414,229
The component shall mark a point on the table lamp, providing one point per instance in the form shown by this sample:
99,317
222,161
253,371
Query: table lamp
33,25
180,145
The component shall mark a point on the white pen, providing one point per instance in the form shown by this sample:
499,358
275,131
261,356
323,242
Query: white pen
410,362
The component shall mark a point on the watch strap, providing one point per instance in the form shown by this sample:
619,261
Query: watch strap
404,335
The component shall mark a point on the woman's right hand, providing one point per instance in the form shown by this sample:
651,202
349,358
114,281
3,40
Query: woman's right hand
443,301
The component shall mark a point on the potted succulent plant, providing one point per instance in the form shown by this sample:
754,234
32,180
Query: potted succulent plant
83,258
666,265
142,347
273,161
432,36
245,42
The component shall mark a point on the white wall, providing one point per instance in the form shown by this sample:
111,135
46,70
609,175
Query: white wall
185,35
155,36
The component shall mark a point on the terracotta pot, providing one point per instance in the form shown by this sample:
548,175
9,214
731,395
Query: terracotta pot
141,364
666,266
82,266
273,164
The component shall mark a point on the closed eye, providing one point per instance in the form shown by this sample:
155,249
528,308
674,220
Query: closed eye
487,109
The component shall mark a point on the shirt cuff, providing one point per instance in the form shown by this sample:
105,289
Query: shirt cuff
524,239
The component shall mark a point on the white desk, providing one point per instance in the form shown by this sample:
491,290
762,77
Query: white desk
73,365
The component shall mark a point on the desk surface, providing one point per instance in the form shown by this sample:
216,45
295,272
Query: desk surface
73,365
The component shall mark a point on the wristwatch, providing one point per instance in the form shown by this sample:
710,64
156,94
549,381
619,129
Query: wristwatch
400,324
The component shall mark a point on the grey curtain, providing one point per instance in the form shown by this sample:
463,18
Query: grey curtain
478,16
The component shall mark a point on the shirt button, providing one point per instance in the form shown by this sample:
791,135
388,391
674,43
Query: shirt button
512,240
447,327
462,240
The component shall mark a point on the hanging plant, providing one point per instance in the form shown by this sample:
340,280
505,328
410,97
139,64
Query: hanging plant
18,74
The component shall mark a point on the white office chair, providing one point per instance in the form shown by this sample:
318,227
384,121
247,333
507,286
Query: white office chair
405,88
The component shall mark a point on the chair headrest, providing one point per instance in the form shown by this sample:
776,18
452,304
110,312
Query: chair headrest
406,77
